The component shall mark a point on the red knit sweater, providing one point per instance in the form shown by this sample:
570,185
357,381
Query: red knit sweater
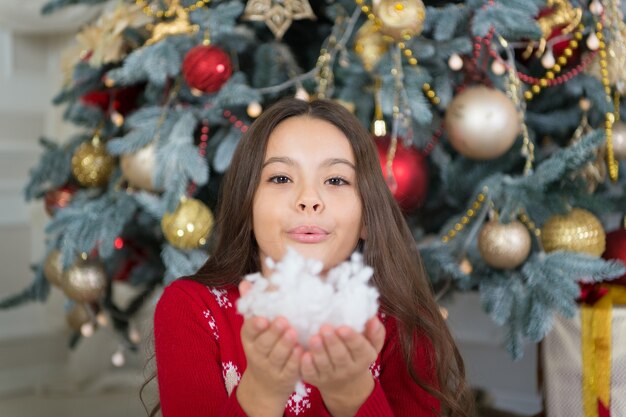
200,360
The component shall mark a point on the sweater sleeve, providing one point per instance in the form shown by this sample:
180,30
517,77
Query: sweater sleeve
188,370
395,393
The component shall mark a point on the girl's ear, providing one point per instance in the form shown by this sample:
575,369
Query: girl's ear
363,234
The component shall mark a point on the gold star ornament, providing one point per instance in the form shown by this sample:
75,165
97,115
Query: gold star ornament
278,14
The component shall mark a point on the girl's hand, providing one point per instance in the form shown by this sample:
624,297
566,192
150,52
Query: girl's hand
273,360
338,365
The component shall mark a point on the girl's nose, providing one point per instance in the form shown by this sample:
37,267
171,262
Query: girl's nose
314,205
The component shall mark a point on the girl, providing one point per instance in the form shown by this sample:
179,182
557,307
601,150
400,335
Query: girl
306,175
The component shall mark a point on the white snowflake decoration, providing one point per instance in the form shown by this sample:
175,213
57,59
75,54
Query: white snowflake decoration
231,376
212,324
298,401
221,298
296,291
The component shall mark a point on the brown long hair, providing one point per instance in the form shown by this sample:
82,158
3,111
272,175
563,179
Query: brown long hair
389,248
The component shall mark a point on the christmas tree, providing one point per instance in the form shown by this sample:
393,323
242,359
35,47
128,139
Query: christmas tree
497,123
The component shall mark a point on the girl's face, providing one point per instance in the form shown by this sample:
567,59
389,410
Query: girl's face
307,196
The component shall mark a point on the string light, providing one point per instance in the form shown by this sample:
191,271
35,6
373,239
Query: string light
171,11
467,218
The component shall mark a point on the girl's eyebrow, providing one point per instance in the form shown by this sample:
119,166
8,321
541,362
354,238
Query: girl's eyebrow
291,162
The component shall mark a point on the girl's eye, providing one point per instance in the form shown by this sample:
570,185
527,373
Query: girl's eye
337,181
279,179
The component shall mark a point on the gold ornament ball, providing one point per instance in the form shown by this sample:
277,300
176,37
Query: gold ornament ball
482,123
188,226
400,19
53,269
91,164
138,168
370,45
85,281
619,140
77,316
577,231
504,246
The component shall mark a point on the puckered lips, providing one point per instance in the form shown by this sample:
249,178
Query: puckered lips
308,234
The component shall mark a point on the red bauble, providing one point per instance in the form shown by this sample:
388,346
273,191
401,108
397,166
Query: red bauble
410,174
98,99
122,100
206,68
58,198
616,249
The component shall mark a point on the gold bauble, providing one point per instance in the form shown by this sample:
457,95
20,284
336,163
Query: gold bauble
577,231
482,123
370,45
53,268
504,246
77,316
400,19
138,168
188,226
619,140
91,164
85,281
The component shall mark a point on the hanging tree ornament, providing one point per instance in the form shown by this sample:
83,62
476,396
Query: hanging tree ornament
278,14
482,123
619,140
206,68
558,19
504,246
139,168
400,19
577,231
180,25
85,281
409,172
58,198
77,317
53,268
188,226
370,45
91,164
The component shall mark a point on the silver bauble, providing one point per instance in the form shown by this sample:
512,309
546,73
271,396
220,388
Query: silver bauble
85,281
482,123
138,168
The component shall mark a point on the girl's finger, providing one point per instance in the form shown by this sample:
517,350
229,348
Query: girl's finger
265,342
337,350
375,333
358,346
321,359
283,348
307,368
293,362
244,287
253,327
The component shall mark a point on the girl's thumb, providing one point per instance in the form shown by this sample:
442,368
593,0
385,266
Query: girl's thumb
244,287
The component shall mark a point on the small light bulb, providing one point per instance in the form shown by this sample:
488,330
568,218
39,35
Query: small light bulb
444,312
134,335
596,8
497,67
102,319
301,94
254,109
87,329
455,62
547,60
118,359
117,118
593,43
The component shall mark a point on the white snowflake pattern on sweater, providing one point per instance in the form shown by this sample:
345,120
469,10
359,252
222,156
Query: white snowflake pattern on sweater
212,324
299,401
231,376
221,298
375,370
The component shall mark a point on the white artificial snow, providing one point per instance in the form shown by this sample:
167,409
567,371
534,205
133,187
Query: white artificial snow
296,291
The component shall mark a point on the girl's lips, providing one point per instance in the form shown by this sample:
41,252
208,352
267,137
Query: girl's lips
308,237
